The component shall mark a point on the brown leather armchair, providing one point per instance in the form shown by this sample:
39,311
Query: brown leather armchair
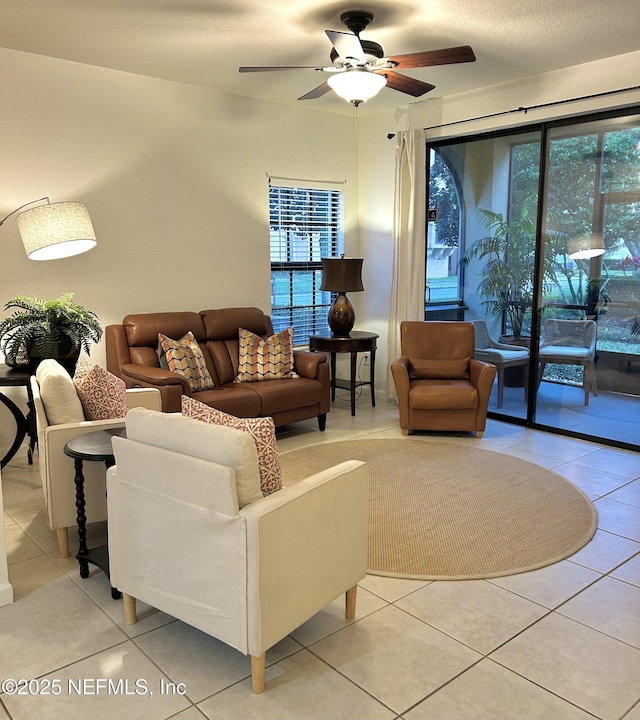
440,384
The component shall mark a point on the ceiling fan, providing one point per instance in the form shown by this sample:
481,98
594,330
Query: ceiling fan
359,69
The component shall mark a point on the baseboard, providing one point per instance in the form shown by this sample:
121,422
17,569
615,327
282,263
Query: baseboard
6,594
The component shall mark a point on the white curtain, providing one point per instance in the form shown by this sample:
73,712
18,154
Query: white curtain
408,281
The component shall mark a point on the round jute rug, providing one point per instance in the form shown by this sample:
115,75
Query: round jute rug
443,511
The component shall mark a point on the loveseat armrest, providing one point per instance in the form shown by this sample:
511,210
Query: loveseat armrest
153,376
171,385
307,363
306,544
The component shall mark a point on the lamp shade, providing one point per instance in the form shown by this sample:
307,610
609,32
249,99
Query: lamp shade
342,274
56,230
583,248
357,84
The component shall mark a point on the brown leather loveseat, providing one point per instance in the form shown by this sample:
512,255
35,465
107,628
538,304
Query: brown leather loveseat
132,354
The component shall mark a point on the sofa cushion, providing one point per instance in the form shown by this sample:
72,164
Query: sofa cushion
262,430
102,394
457,369
58,394
239,399
265,359
278,396
185,357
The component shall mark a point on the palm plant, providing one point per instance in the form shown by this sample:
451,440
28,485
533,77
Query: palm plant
47,329
509,264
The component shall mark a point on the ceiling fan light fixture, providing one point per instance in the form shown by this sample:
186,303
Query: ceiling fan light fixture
357,84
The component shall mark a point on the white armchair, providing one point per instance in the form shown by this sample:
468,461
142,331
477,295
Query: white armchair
57,470
249,576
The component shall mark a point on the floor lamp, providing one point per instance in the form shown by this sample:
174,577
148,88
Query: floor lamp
54,230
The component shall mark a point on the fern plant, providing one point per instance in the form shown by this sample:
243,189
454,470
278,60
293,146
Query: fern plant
42,328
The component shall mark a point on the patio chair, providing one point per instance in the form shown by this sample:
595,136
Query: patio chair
570,342
501,355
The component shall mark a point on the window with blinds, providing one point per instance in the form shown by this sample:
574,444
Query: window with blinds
305,225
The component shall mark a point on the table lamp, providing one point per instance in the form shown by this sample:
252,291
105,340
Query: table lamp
341,275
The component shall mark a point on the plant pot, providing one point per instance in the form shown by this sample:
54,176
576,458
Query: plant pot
67,357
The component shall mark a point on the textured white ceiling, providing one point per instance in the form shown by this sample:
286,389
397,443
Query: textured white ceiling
203,42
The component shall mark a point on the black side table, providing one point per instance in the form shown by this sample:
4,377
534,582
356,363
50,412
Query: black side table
25,424
357,341
93,447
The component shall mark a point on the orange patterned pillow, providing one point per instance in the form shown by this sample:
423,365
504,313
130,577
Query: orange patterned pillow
185,357
262,430
102,394
270,359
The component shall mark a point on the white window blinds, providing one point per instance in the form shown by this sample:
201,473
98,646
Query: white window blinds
305,225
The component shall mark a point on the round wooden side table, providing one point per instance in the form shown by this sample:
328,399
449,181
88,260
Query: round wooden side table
358,341
92,447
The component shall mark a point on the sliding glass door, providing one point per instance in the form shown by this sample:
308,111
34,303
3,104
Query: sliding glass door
535,236
589,345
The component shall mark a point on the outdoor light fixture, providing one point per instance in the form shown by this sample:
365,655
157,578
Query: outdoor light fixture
586,247
342,275
357,84
54,230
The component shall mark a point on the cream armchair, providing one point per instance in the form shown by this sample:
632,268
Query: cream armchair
57,470
179,540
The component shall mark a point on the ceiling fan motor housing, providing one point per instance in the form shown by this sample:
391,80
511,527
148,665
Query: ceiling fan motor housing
372,50
356,20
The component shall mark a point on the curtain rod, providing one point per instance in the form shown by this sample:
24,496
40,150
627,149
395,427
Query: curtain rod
306,180
525,109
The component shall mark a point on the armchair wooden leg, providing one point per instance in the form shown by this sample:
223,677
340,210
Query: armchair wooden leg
479,433
350,602
257,673
63,542
404,431
129,609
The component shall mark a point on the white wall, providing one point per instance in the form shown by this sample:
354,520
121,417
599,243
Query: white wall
377,155
175,178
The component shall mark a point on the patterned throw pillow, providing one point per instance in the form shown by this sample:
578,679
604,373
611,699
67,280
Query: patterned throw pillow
270,359
185,357
262,430
83,366
102,394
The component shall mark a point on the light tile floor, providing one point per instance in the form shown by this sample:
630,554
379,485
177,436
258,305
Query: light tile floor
560,643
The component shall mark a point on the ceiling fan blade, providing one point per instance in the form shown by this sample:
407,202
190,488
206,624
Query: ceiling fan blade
405,84
347,45
271,69
446,56
316,92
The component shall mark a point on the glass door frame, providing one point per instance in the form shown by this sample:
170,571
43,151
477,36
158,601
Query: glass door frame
545,128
